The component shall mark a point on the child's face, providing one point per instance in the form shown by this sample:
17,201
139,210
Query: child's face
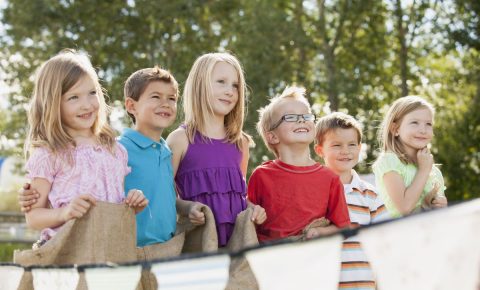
79,107
225,84
299,132
415,130
156,109
340,150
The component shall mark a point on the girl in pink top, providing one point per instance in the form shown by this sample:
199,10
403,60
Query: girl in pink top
73,158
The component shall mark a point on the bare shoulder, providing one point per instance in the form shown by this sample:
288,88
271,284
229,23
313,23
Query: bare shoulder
178,139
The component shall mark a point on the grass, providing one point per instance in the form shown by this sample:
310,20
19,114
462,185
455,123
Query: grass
6,250
9,201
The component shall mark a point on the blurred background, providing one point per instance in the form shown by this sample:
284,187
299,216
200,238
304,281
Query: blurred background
352,56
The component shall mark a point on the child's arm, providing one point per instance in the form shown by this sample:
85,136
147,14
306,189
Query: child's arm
320,231
245,155
177,141
406,198
136,199
27,197
41,217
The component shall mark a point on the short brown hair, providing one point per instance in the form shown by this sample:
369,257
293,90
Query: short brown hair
137,82
336,120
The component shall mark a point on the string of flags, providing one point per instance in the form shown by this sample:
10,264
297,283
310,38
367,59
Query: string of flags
433,250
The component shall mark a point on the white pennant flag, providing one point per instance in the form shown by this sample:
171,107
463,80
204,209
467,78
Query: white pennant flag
55,279
437,250
308,265
10,277
209,273
119,278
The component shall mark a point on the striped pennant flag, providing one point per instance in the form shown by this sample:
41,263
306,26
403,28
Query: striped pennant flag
10,277
208,273
119,278
55,279
436,250
308,265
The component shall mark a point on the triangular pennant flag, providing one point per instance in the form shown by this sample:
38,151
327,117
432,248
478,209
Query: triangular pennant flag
209,273
10,277
308,265
53,279
119,278
437,250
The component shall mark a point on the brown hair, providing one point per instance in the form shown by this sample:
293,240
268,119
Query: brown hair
137,82
336,120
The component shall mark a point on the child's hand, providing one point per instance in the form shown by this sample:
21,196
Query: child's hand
259,216
424,159
27,197
439,202
136,199
195,214
78,207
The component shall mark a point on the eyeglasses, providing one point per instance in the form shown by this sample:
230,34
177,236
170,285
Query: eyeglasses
294,118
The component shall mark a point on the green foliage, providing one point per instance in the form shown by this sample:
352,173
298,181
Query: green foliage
346,53
7,249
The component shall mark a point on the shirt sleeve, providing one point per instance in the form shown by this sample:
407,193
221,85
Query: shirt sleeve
337,211
41,164
122,155
378,210
387,162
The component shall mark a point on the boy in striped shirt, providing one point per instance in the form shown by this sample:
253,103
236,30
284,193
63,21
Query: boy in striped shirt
338,141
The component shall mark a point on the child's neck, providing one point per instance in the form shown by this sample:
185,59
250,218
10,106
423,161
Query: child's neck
155,135
346,177
299,156
215,129
83,138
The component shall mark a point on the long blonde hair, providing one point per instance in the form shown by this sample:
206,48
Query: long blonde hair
53,79
197,92
397,111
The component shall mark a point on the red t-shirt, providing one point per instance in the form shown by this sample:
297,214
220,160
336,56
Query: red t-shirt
294,196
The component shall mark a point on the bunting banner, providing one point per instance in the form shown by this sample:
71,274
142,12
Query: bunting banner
119,278
55,279
438,250
307,265
10,277
208,273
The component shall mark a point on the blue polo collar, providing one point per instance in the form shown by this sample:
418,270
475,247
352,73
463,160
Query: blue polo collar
140,139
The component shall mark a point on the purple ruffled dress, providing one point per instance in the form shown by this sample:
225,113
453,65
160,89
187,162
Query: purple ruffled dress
210,173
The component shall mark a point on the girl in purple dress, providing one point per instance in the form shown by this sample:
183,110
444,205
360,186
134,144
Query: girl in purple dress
210,150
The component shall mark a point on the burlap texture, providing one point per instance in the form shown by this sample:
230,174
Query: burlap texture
107,233
244,235
199,238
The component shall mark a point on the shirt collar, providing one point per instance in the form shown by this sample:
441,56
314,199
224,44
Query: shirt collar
357,184
140,139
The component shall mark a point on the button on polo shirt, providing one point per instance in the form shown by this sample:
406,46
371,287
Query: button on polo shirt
151,164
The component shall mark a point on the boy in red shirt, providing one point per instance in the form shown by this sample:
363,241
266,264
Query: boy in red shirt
294,189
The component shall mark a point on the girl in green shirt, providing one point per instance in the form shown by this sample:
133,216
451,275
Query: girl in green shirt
405,173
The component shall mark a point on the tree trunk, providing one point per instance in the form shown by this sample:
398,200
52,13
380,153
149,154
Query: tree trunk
403,48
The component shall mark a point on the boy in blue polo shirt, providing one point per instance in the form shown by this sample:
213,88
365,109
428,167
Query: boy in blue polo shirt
151,96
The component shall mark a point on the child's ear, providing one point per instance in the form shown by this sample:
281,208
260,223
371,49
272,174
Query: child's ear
318,149
130,105
394,129
272,138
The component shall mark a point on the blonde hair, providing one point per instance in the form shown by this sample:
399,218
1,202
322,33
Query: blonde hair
138,81
53,79
197,93
266,114
395,114
336,120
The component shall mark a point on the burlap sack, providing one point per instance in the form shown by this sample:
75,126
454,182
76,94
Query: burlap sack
199,238
244,235
171,248
107,233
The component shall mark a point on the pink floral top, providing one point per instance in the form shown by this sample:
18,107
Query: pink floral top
94,171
